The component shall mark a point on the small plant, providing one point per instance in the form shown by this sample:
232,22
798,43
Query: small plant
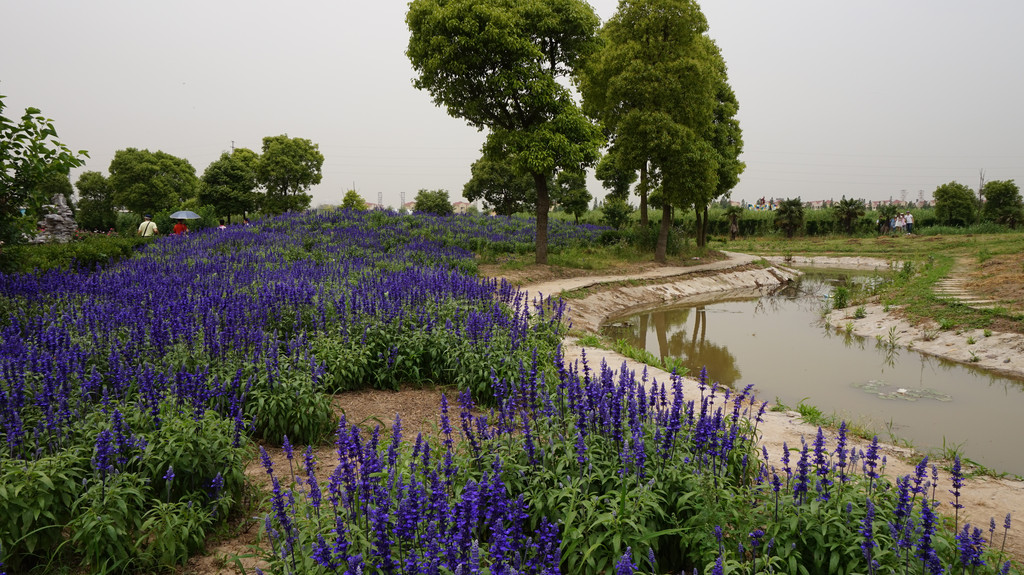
946,324
860,313
849,327
893,339
974,356
987,333
589,340
886,308
929,334
840,297
970,340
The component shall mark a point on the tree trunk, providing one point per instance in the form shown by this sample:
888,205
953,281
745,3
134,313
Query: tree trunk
661,248
704,229
543,204
643,195
698,225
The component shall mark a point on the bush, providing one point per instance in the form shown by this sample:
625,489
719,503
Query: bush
88,252
291,407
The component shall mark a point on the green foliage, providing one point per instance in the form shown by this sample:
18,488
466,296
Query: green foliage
287,168
292,407
529,46
147,182
500,186
1003,203
29,155
433,202
572,194
860,312
353,201
790,216
847,211
106,522
229,183
96,202
616,212
36,500
90,251
954,204
170,532
840,297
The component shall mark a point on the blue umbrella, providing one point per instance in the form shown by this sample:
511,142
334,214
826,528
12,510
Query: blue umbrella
185,215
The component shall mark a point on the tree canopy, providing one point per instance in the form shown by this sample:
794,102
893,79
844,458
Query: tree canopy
1003,203
95,202
847,211
497,64
146,182
29,153
658,87
229,183
353,201
572,194
287,168
502,188
790,216
954,204
433,202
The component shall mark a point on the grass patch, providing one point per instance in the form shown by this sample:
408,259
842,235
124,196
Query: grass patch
670,364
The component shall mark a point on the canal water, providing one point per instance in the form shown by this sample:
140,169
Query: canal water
779,343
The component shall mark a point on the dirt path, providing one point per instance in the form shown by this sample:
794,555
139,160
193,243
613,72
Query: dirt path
985,497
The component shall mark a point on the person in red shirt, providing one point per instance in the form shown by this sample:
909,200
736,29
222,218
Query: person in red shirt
180,228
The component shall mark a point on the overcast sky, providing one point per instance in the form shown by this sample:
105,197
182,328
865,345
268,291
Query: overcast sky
872,99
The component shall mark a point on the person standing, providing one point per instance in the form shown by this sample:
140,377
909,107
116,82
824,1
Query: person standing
180,228
147,228
910,223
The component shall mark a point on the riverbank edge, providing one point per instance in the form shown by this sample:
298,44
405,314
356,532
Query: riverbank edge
984,496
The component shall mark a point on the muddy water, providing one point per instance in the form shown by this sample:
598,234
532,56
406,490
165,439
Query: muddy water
779,344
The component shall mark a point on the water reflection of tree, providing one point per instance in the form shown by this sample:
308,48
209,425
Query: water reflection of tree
696,350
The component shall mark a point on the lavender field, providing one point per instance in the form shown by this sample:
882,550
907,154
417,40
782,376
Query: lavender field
130,397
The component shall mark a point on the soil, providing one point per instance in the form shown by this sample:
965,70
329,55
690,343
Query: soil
597,296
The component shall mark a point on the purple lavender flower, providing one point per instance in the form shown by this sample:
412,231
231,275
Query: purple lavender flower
869,544
625,566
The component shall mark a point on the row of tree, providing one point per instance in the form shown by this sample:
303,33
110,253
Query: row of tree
239,182
654,89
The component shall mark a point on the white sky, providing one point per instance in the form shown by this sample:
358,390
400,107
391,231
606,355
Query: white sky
868,99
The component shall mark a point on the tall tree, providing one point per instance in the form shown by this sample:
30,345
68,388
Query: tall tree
497,65
229,183
145,181
95,202
573,195
655,86
954,204
847,211
502,188
1003,203
29,153
288,167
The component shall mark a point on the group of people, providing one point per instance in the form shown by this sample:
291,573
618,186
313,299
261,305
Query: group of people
148,227
901,223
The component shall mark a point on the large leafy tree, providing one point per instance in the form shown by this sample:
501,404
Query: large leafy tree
655,85
954,204
434,202
727,140
146,182
790,216
288,167
229,183
29,154
1003,203
614,175
502,188
847,211
95,202
497,65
